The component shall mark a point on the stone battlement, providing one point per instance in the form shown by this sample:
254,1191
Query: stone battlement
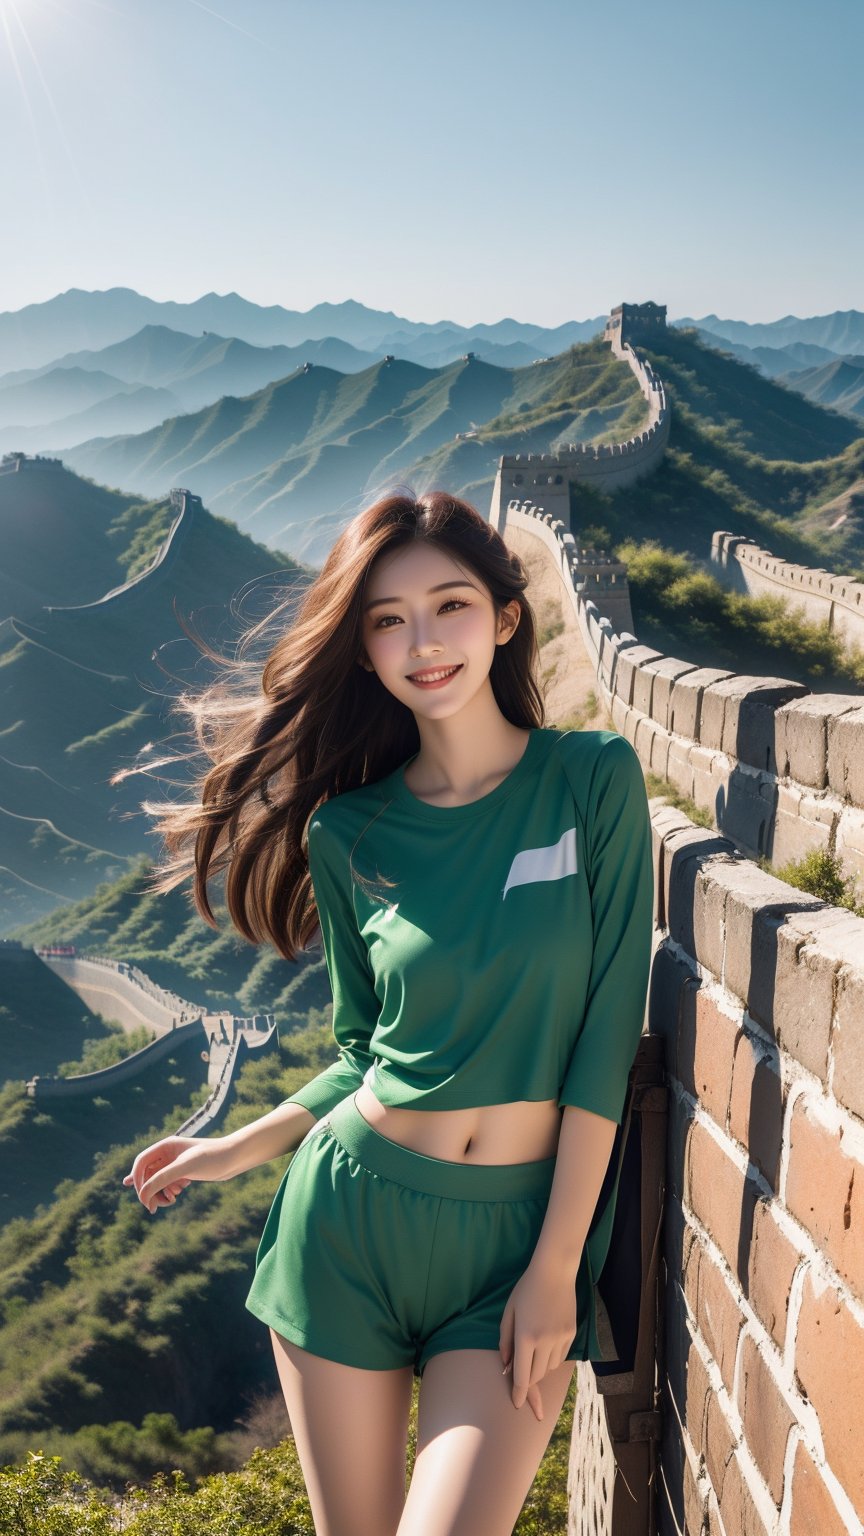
14,463
823,596
757,992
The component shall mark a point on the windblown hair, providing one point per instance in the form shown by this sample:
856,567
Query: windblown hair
316,724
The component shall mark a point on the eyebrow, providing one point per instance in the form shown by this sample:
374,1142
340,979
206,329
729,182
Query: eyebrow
377,601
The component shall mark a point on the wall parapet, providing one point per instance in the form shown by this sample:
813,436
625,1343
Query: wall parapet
185,505
758,992
824,596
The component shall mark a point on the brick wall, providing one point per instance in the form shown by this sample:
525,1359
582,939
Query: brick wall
759,992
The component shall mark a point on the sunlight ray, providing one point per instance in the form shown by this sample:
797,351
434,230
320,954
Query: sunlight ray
83,191
229,23
4,20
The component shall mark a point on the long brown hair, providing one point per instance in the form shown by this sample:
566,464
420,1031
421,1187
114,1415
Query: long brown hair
316,724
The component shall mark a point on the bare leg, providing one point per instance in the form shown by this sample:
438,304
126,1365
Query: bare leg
477,1455
350,1427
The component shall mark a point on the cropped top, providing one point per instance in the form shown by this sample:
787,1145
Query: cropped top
489,952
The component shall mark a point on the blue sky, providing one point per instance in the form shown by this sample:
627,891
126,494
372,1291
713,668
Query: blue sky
450,159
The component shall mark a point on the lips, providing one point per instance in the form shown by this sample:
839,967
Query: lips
434,675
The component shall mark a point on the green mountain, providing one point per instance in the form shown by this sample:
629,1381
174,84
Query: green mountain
292,462
86,690
744,453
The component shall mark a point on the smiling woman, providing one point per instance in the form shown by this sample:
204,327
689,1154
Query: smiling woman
483,886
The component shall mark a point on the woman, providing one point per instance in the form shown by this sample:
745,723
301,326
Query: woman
484,889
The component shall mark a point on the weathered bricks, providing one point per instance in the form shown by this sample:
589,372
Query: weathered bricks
802,736
652,693
756,1106
846,755
711,1050
825,1191
814,1512
721,1196
738,716
847,1039
737,1507
628,663
766,1416
715,1308
685,703
829,1364
773,1262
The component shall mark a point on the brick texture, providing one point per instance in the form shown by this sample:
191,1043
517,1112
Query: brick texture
717,1314
722,1197
829,1364
825,1190
766,1416
773,1261
814,1512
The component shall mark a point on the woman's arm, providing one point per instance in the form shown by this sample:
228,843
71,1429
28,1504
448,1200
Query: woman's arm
272,1135
584,1149
355,1005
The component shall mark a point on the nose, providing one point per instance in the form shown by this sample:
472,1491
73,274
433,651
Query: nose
421,646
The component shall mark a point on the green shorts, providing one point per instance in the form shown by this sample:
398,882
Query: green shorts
378,1256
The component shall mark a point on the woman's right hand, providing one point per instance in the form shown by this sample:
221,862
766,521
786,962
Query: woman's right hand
160,1172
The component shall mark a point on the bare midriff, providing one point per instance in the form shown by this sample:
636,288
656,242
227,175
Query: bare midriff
523,1132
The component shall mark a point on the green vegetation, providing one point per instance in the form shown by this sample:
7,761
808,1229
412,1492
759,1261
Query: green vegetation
265,1497
107,1313
820,873
744,453
690,613
104,675
659,787
106,1051
165,936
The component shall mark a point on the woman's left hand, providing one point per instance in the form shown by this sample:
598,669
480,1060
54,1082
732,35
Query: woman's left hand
538,1326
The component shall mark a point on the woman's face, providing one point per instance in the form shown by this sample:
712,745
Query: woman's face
424,613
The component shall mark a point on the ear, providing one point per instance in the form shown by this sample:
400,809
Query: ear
508,621
363,661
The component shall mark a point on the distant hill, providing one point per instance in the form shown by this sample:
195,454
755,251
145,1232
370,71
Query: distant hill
138,382
85,691
293,462
840,332
838,384
40,334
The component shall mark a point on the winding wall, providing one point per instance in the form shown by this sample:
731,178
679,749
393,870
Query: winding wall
133,997
545,477
141,586
757,990
824,597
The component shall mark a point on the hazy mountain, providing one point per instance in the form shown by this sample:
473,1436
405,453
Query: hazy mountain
84,690
135,384
40,334
838,384
126,410
774,362
841,332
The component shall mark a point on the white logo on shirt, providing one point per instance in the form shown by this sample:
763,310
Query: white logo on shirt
548,863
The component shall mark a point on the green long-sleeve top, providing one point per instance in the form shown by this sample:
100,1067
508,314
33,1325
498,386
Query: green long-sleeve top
490,952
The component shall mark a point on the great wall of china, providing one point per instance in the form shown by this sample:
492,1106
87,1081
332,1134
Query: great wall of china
837,601
120,991
757,993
